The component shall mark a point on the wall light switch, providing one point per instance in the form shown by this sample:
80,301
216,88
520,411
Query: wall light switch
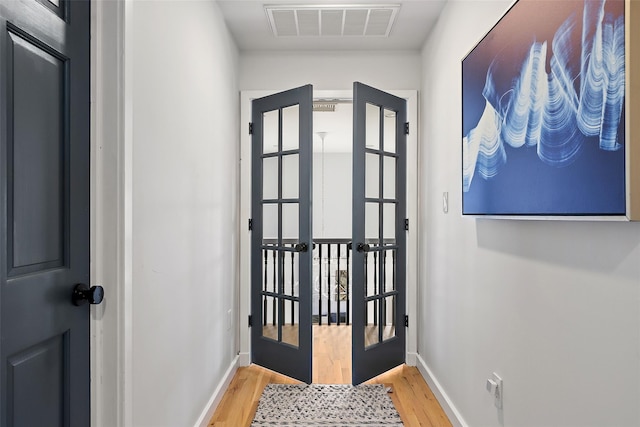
445,202
494,387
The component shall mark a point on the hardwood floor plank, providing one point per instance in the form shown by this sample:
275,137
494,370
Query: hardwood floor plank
412,397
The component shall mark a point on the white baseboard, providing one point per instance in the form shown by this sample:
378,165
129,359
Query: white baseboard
245,359
214,401
447,405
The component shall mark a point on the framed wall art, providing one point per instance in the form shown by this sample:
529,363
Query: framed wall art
546,128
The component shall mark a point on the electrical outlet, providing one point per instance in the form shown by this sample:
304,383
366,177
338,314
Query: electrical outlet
229,319
445,202
494,386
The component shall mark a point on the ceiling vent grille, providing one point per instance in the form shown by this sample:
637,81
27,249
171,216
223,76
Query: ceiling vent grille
326,107
329,20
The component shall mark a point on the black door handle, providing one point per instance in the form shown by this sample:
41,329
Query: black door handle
363,247
83,294
301,247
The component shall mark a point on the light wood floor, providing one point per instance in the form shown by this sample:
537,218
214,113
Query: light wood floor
331,365
324,334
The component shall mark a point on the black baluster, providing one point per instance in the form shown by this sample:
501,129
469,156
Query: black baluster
293,282
329,283
347,289
275,283
281,318
383,316
383,278
338,278
366,287
393,283
393,279
375,287
319,283
264,297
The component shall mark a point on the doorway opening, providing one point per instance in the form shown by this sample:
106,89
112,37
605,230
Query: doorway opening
332,213
281,243
332,165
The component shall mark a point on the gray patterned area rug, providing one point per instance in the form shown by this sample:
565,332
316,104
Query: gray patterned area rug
318,405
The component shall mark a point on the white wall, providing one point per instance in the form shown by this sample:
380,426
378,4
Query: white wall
329,70
332,217
185,109
553,307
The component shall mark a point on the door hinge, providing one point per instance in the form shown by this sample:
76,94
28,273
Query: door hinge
250,321
406,321
250,224
406,224
250,128
406,128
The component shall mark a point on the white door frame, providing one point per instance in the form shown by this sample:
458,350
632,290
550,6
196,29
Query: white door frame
111,214
245,213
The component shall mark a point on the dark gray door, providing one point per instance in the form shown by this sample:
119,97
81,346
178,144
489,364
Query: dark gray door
379,247
281,240
44,212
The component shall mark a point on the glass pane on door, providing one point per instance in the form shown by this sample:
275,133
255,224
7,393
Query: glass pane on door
373,127
389,318
270,319
372,330
389,144
290,173
372,171
290,226
290,128
291,328
389,182
372,223
270,223
270,131
270,178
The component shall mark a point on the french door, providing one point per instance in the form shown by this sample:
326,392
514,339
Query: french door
281,239
378,227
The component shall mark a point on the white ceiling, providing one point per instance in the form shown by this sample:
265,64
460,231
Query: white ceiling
249,25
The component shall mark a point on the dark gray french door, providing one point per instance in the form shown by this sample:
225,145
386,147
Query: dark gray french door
379,241
44,212
281,240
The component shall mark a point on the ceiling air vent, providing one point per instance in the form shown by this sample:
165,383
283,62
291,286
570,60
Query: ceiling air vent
326,107
332,20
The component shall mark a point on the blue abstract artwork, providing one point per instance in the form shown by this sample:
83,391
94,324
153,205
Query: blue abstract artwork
543,97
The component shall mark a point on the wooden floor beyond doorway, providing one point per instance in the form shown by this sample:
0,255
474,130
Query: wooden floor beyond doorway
331,365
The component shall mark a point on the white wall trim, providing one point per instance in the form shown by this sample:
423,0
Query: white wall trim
245,211
96,347
125,216
216,397
447,405
111,214
244,358
412,358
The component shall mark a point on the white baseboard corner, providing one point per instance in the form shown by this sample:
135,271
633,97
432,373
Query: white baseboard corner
411,359
447,405
245,359
214,401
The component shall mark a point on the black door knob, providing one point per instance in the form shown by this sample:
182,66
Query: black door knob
83,294
363,247
301,247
